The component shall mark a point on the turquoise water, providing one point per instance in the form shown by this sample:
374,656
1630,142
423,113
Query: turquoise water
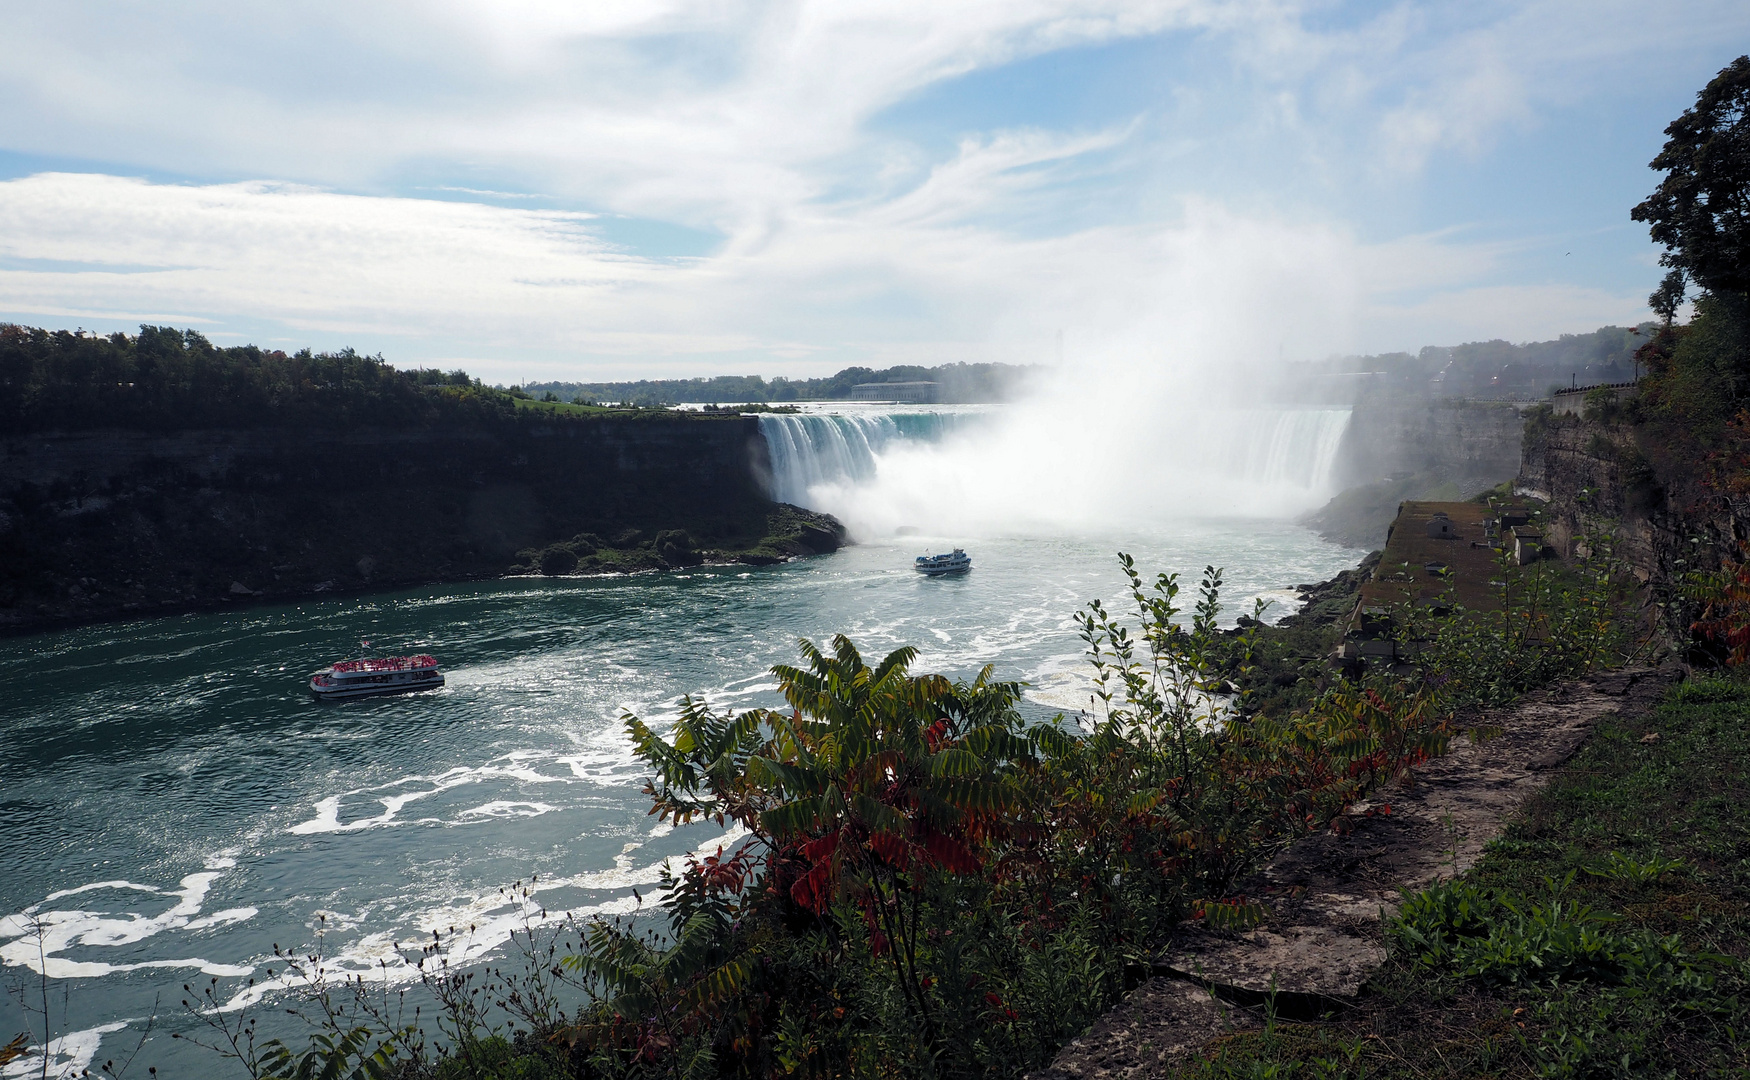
173,804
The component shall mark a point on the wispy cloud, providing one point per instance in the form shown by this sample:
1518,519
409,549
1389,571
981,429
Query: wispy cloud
1284,146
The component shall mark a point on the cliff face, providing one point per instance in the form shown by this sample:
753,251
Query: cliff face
1415,449
1598,477
1454,440
95,525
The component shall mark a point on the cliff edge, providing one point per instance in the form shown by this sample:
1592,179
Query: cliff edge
108,524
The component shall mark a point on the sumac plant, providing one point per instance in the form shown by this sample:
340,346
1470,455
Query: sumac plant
872,785
1724,598
919,880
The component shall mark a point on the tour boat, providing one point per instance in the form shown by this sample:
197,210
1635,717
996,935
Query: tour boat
936,565
347,679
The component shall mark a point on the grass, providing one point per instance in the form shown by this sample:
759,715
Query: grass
1605,933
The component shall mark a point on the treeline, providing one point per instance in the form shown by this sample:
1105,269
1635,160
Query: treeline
1500,370
1700,384
165,379
1694,405
956,383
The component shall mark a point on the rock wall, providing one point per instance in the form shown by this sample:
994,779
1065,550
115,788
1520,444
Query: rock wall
1453,439
1398,449
99,524
1603,478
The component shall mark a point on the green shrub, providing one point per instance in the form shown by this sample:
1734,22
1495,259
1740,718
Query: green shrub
496,1058
1549,622
676,548
558,560
1429,925
1619,867
1600,405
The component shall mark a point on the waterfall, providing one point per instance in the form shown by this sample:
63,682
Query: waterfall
810,449
880,471
1288,448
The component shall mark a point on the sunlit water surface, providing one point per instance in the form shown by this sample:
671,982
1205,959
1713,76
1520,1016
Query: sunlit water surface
173,804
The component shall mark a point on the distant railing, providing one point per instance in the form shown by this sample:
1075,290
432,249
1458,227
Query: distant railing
1571,400
1594,386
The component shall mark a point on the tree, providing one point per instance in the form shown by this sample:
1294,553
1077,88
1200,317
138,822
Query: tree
1700,212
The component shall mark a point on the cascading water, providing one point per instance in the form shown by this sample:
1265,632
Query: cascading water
1284,448
1210,461
807,450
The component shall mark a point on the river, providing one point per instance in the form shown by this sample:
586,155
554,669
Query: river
173,805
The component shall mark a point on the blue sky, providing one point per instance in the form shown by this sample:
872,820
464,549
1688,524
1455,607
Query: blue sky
547,190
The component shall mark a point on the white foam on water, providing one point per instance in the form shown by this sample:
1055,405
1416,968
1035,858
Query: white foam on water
69,1055
1070,691
469,929
507,809
396,795
40,936
1283,602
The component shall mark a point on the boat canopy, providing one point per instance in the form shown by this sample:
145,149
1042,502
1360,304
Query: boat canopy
386,663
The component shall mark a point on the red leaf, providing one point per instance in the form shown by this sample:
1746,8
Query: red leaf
892,849
950,854
815,850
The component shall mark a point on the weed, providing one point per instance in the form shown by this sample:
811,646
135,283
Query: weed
1619,867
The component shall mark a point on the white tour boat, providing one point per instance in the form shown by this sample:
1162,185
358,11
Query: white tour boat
382,675
937,565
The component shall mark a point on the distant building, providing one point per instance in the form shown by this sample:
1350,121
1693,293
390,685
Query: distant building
1527,544
1441,527
922,392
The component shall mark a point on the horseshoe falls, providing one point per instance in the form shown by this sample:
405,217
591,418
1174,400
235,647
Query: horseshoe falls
814,449
1004,470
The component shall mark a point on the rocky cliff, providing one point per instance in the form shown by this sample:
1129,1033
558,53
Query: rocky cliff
1612,478
1456,440
101,524
1398,449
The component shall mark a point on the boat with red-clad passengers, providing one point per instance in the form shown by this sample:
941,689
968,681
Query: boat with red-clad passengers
346,679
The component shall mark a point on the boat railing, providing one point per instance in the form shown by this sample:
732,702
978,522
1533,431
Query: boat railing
386,663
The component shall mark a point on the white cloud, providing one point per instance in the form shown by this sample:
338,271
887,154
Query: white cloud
746,118
907,281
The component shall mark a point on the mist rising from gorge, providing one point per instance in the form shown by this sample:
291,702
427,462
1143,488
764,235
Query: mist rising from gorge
1168,407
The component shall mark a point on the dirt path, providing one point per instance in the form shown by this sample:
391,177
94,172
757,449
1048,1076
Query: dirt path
1326,894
